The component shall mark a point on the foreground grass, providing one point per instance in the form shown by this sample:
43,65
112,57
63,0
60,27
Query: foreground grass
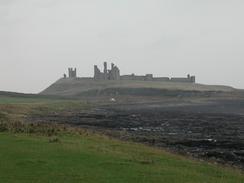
86,157
94,159
19,100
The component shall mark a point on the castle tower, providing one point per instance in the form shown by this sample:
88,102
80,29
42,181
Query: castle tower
193,79
69,70
97,73
105,70
72,72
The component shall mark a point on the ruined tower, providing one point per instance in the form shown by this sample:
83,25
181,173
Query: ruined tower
112,74
72,72
105,71
97,73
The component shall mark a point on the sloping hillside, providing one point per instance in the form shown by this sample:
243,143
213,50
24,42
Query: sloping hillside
96,159
78,86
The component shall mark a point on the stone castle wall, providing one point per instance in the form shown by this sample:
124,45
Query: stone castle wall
161,79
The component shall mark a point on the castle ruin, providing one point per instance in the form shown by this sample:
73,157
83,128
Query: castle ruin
72,73
114,74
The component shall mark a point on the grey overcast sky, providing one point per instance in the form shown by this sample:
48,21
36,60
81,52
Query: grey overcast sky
40,39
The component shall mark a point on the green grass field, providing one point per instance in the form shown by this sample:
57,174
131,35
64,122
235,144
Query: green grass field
18,98
32,155
27,100
95,159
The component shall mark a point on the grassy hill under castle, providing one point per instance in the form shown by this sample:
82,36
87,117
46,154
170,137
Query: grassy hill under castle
80,86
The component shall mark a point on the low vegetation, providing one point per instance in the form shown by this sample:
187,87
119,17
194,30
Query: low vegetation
92,158
57,153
